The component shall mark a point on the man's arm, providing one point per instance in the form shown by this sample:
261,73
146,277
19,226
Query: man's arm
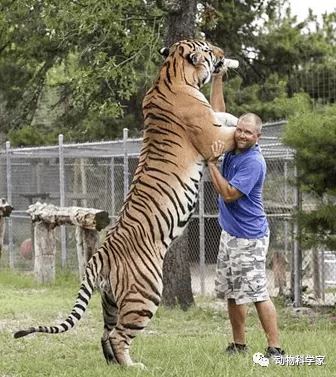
217,101
216,94
221,185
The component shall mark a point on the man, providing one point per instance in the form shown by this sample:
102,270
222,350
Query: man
241,263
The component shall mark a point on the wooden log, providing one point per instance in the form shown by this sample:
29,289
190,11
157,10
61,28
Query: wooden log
45,251
5,208
46,217
87,242
5,211
87,218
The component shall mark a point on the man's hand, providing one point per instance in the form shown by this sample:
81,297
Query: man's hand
217,149
221,73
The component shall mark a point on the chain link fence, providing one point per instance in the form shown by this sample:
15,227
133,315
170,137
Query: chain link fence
98,175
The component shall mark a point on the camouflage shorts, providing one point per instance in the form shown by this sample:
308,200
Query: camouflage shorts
241,269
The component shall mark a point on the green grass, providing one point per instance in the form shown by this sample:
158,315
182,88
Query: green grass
181,344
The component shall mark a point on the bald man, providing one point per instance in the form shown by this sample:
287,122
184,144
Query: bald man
241,263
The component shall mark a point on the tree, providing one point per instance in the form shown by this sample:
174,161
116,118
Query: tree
97,53
180,24
278,55
313,136
101,57
26,55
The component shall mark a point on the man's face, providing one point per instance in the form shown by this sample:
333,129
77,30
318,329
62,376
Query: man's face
246,135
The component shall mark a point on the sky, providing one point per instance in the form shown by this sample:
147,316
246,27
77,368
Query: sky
300,7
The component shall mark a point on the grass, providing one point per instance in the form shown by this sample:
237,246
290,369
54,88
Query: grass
181,344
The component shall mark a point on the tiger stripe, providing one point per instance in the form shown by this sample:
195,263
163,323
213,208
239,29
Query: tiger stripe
179,128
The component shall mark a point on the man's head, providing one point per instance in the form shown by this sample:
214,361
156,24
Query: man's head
248,131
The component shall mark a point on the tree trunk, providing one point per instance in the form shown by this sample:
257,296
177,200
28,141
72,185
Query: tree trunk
180,19
176,275
180,24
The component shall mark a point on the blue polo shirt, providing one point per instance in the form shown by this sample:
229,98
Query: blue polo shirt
245,217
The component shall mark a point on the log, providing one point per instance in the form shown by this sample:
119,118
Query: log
87,218
87,242
5,211
45,251
46,217
5,208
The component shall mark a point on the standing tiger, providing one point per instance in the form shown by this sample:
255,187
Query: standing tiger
179,128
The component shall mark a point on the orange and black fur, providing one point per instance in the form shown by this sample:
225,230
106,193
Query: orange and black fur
179,128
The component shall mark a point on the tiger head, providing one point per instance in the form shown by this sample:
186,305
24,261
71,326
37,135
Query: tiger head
199,58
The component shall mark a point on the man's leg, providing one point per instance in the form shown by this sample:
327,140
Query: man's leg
268,318
237,316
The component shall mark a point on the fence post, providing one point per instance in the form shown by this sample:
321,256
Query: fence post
322,274
113,193
9,199
201,236
287,235
297,247
286,202
126,173
62,197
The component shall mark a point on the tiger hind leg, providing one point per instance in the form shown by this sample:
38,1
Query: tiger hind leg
133,318
110,314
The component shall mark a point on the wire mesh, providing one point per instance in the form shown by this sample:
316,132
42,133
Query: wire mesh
97,174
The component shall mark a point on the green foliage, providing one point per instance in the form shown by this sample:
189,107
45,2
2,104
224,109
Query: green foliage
269,101
233,24
31,136
319,226
101,53
102,56
279,57
313,136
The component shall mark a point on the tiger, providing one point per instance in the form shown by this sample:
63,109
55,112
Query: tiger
179,129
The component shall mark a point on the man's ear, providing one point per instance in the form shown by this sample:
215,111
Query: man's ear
195,58
164,51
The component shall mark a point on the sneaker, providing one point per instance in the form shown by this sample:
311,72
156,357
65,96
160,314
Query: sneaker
235,348
272,352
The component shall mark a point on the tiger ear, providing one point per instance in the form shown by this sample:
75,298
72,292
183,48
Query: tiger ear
164,51
195,58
